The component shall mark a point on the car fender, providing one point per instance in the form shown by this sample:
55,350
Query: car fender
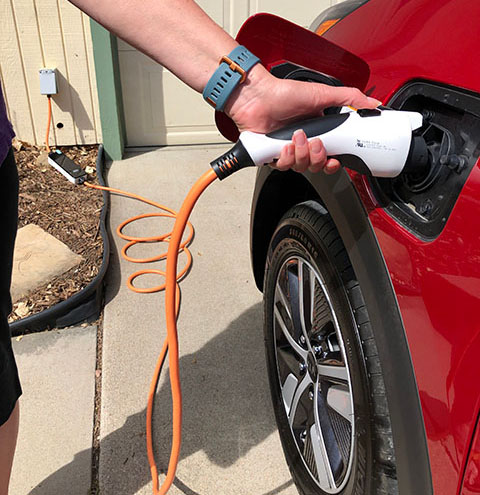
275,193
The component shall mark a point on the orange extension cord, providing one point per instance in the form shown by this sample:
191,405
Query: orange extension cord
49,121
172,302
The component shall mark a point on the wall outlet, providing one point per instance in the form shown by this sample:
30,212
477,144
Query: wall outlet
48,82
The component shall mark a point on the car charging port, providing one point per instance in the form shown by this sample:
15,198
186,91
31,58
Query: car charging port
419,160
421,174
442,154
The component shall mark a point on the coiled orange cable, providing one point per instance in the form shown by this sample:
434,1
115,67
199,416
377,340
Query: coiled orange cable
172,301
138,240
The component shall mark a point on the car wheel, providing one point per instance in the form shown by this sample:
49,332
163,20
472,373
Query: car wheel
325,377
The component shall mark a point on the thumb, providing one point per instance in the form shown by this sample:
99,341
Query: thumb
333,96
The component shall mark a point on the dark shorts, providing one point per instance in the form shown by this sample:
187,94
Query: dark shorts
10,389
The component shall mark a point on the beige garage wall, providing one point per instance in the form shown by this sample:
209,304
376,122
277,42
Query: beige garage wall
52,34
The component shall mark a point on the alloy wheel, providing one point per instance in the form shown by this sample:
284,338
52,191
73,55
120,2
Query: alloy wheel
313,373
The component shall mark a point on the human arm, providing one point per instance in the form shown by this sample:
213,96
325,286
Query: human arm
179,35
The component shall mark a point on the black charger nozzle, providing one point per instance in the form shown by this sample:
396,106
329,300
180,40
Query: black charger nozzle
231,161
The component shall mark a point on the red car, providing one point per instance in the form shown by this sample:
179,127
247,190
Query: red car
372,286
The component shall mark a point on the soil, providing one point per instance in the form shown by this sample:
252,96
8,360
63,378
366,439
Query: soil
69,212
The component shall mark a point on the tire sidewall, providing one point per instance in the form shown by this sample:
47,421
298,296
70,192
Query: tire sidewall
295,237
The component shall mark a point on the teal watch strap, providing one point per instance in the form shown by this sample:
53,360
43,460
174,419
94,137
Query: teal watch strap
231,72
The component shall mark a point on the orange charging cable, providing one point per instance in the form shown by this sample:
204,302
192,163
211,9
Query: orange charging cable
172,302
49,121
169,213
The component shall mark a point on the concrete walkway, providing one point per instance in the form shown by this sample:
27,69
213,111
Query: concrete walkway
57,370
230,442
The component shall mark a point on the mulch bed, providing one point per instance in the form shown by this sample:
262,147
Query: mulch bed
68,212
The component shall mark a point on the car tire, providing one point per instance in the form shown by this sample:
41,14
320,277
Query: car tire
325,377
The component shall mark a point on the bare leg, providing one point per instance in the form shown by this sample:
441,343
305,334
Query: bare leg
8,441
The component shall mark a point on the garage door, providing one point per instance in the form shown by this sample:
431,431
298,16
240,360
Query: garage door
159,109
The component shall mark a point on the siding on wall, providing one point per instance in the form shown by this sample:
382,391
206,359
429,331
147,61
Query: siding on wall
52,34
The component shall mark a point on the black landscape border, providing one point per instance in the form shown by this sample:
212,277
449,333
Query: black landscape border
85,305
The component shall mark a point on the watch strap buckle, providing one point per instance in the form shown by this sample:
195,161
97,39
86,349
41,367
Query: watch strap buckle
234,67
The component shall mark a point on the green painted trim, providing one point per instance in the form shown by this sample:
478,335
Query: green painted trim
109,90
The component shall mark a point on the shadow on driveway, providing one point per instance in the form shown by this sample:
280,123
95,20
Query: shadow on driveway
226,412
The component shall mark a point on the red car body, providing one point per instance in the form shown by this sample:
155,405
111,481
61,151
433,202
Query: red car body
436,281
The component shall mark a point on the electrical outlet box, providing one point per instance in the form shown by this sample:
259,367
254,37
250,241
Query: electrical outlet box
48,82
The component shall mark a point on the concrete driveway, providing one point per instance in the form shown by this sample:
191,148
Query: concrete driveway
230,442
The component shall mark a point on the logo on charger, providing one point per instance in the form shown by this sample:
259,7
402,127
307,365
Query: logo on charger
374,145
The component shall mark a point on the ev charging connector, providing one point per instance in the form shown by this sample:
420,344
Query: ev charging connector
378,143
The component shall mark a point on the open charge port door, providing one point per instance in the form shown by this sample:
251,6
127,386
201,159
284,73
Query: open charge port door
423,200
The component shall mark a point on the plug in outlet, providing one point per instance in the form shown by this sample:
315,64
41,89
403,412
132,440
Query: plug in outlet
48,82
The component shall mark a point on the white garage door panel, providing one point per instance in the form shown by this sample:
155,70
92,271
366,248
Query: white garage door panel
160,109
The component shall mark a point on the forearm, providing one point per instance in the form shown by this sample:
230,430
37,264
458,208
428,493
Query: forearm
176,33
179,35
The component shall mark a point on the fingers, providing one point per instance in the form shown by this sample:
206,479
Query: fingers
302,151
318,155
330,96
331,166
302,155
286,159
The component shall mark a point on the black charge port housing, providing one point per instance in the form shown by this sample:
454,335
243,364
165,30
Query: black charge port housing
422,197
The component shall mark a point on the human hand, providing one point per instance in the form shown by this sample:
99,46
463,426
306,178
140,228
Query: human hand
264,103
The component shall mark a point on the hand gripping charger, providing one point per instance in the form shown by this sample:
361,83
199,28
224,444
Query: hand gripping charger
377,142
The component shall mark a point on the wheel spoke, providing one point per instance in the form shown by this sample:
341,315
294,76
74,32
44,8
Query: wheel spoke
301,404
339,399
328,443
283,311
288,362
322,465
321,314
288,391
280,295
303,277
295,290
296,347
305,297
312,298
318,463
333,373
